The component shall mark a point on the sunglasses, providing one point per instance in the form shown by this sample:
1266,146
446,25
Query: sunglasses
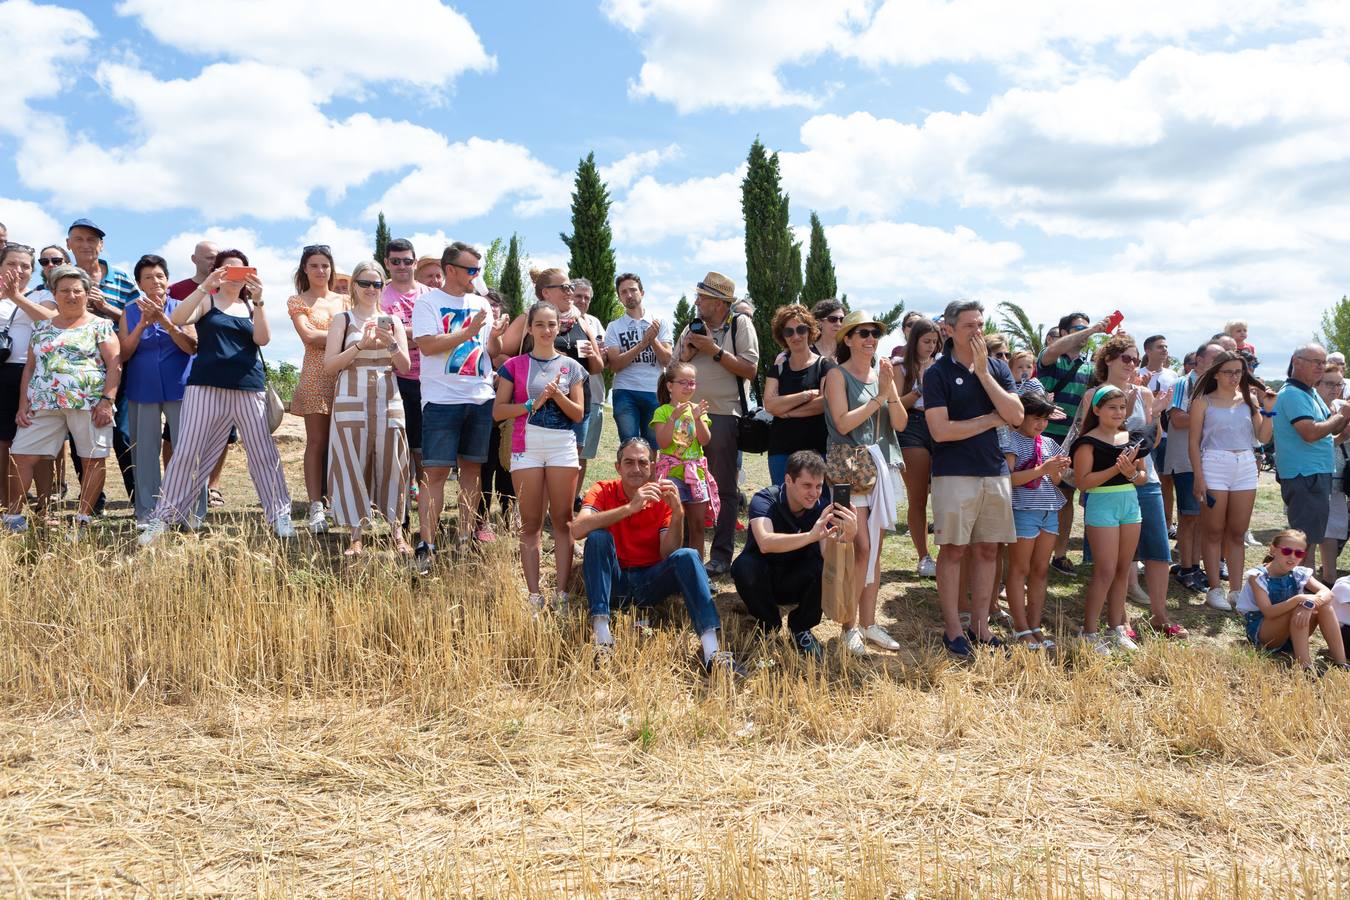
868,334
45,261
687,383
565,287
369,284
834,320
468,270
1001,355
1078,328
318,248
401,260
1290,551
799,330
1129,360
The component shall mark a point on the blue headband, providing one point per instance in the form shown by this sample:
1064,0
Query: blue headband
1100,393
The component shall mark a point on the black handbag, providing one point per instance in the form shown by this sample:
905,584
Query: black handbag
752,428
7,342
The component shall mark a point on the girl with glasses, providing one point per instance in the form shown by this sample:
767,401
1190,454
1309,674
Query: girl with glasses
1281,603
683,428
793,390
1231,413
316,302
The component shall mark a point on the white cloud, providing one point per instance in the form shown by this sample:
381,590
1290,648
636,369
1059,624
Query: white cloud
342,42
29,223
41,42
349,245
699,207
957,83
621,173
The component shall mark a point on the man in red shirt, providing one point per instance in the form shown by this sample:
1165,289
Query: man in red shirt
633,528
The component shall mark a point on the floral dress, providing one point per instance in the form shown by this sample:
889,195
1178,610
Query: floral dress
314,391
68,369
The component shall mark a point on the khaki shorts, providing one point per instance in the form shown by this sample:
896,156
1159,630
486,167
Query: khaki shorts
45,436
971,509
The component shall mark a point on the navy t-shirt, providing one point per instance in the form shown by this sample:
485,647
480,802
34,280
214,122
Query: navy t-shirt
950,384
771,503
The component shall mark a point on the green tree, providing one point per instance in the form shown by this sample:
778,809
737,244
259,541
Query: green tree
381,241
1335,334
510,284
773,260
820,283
1016,324
492,263
891,317
684,314
591,241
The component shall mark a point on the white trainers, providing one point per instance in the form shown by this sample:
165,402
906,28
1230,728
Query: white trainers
318,518
928,567
1232,599
881,637
1096,642
1121,638
1251,540
1136,594
79,529
285,528
153,531
1217,598
854,643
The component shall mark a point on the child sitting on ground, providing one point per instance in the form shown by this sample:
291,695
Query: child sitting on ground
1281,603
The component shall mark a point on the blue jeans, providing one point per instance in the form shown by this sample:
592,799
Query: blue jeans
681,573
778,468
633,414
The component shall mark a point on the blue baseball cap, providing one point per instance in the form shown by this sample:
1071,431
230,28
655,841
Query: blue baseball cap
85,223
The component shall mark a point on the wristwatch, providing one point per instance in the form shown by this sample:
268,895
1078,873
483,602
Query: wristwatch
718,356
106,397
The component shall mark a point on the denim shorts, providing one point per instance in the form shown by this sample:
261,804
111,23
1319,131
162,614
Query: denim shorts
454,432
1252,622
1111,509
1154,545
1184,483
1031,522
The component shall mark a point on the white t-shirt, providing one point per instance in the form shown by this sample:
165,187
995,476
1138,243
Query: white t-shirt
1246,601
21,329
596,384
464,375
642,373
1159,381
1340,599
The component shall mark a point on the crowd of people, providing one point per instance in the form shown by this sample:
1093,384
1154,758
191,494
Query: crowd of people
415,377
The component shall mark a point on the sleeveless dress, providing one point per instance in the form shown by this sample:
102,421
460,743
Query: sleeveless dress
314,391
368,457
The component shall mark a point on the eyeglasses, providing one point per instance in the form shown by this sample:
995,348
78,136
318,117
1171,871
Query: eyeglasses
1322,363
799,330
834,320
868,334
1129,360
565,287
401,260
1231,373
45,261
1078,328
468,270
369,284
689,383
318,248
1290,551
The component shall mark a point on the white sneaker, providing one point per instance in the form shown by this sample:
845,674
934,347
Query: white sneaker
1232,599
318,518
1136,594
882,638
1217,598
153,531
1121,639
928,567
1096,642
79,529
1251,540
854,643
284,527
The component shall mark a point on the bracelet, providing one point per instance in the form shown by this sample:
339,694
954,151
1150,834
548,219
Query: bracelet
1268,415
529,406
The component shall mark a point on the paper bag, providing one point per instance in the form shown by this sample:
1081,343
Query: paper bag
838,586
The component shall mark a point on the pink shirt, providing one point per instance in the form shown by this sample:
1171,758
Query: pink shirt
399,304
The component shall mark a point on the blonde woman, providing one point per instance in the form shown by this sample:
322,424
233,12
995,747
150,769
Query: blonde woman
316,301
368,455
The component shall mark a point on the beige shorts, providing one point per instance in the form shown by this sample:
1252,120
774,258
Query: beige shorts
45,436
970,509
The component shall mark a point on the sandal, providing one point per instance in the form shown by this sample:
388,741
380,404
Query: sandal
1030,632
1045,642
214,497
1171,630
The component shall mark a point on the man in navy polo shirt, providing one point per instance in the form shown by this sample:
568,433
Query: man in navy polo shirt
967,396
781,563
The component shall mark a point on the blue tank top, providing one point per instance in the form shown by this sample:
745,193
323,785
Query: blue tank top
226,355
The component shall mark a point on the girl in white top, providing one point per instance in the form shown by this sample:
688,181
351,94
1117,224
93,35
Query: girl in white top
1281,603
1226,423
18,315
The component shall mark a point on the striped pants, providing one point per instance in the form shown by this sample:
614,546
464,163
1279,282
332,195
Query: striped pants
208,413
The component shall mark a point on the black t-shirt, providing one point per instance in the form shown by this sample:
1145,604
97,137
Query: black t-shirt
791,435
1104,456
949,384
771,503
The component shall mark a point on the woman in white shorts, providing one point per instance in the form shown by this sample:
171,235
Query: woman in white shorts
543,391
69,384
1230,414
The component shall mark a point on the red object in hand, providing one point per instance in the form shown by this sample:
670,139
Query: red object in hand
1114,320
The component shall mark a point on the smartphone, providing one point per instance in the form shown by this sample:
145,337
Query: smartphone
1114,320
385,322
1209,500
697,327
842,494
240,273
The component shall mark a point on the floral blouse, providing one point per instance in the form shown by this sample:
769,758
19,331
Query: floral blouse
68,369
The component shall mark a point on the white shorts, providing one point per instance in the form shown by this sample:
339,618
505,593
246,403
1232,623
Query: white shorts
1229,470
48,431
546,448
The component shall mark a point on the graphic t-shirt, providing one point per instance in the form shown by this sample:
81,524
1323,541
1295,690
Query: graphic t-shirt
684,440
461,375
625,333
68,370
540,372
637,538
396,303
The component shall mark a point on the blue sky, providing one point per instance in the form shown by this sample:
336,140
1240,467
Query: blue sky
1186,163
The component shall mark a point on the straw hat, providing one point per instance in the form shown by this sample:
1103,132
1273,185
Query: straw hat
853,320
717,285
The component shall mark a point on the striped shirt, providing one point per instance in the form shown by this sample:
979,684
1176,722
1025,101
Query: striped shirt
1068,390
116,286
1044,495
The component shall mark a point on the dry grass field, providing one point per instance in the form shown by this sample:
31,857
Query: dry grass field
225,716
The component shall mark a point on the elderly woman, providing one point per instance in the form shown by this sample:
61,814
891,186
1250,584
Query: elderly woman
69,384
155,355
226,388
17,315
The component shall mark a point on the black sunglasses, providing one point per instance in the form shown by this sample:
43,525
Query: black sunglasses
369,284
834,319
868,333
565,287
50,260
318,248
799,330
401,260
468,270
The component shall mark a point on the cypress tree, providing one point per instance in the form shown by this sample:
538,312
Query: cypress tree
820,283
773,260
381,241
684,314
513,295
591,240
